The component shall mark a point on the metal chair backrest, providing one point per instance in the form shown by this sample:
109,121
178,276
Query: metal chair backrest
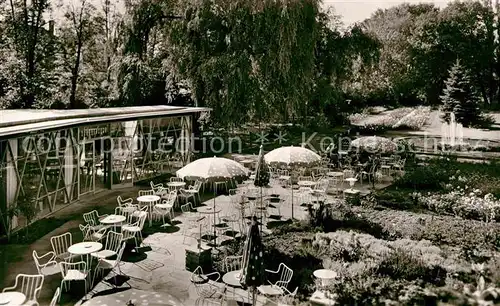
122,202
127,211
322,184
91,218
66,266
113,241
233,263
61,243
142,219
85,231
120,253
285,275
146,192
176,179
172,195
197,185
349,173
54,300
29,285
36,259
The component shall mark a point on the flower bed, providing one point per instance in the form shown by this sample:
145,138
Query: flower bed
401,118
373,271
415,120
463,204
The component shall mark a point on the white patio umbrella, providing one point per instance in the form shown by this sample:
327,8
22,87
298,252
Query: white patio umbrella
213,169
292,157
374,144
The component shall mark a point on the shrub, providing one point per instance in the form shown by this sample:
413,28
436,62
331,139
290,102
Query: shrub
338,215
402,264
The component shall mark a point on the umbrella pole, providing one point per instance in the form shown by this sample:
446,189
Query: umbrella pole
215,230
261,211
254,295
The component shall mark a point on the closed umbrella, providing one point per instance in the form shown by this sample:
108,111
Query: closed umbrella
252,274
374,144
262,175
292,157
213,169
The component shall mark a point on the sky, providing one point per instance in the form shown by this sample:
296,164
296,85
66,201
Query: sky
358,10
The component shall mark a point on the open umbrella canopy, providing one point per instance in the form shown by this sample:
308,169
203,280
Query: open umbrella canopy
213,168
253,258
292,156
374,144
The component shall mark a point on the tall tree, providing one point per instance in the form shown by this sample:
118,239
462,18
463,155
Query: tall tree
247,59
460,98
30,44
81,27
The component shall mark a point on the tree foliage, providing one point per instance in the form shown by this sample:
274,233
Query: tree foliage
459,97
248,60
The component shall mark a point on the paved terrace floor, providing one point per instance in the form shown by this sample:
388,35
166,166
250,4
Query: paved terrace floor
158,276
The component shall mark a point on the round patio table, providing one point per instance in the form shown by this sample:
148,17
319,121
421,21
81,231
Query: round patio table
113,220
176,185
149,200
232,278
12,298
247,162
335,174
85,248
325,275
306,183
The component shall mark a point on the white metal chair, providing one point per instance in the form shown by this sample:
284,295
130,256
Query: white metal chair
60,245
49,267
55,298
90,235
123,202
129,212
275,289
164,209
195,190
185,195
76,271
146,192
207,288
304,195
192,218
113,242
155,187
135,229
29,285
399,165
176,179
320,189
107,264
94,219
233,263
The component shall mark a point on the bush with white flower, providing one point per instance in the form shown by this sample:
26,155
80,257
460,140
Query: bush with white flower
415,120
465,202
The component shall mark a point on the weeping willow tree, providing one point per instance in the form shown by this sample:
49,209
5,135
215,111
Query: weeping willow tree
247,59
140,75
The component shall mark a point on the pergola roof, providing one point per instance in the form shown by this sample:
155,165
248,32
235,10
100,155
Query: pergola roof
24,121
